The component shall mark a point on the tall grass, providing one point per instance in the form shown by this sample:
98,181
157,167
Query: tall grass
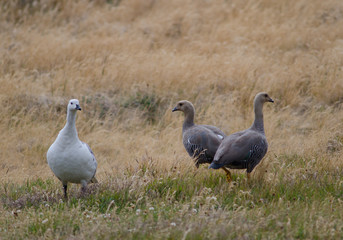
129,62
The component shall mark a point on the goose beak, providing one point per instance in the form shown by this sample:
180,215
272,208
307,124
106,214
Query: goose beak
174,109
271,100
78,107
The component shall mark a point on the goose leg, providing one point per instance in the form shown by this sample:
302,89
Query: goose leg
65,186
84,187
248,175
228,175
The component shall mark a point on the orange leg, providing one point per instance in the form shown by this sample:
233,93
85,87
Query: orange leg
248,175
228,175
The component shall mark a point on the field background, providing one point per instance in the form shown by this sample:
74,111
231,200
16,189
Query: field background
129,62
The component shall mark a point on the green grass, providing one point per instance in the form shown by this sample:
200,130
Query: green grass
129,63
194,204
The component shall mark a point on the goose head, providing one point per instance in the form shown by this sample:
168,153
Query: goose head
74,105
184,106
262,98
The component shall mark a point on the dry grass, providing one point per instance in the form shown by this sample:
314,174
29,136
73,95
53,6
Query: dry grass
129,62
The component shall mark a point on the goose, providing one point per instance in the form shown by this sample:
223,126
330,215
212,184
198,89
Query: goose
244,149
71,160
200,141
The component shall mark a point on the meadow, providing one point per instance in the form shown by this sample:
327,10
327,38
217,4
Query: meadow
129,62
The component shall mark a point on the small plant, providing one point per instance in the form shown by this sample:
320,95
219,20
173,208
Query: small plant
148,103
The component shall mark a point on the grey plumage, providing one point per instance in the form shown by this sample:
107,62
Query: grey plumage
93,180
245,149
89,148
200,141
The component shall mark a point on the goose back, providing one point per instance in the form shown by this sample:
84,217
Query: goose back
202,143
242,150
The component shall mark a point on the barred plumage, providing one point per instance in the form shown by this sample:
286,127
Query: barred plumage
200,141
245,149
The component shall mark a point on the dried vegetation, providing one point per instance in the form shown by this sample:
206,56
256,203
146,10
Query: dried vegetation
129,62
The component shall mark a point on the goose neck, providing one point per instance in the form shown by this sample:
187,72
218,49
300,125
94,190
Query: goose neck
258,122
70,128
189,119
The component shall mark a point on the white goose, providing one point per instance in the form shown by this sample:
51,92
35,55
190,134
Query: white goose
70,159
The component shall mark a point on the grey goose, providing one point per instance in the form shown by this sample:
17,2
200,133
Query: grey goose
244,149
200,141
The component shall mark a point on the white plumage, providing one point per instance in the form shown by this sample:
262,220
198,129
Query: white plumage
70,159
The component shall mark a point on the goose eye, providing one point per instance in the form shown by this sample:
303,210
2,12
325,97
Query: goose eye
181,104
71,103
266,95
